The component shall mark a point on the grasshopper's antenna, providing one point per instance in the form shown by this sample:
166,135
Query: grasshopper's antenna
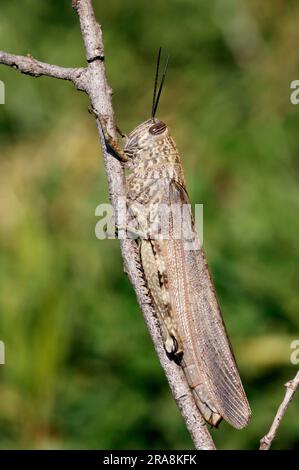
156,82
155,104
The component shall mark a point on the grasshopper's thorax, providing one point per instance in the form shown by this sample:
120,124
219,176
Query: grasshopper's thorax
151,149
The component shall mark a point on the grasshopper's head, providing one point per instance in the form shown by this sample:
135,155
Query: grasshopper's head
153,133
146,137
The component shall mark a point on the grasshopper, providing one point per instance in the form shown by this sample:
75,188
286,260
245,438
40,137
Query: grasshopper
178,279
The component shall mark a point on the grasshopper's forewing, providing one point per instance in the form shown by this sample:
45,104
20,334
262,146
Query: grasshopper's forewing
208,359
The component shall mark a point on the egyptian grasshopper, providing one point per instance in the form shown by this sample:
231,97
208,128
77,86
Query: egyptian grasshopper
179,283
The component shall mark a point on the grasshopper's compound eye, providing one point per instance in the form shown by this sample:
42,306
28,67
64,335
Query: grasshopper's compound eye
157,128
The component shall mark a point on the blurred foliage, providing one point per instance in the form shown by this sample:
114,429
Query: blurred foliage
81,371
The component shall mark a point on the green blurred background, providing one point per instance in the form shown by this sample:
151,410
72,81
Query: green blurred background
80,368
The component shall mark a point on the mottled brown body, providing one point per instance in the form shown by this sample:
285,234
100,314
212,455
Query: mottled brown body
178,279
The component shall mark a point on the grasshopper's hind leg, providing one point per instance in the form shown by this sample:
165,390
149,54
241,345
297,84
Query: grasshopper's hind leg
154,274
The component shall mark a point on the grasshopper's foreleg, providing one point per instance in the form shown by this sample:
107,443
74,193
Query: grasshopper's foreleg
153,271
110,141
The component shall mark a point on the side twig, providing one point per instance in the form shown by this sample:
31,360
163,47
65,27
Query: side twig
30,66
291,387
92,80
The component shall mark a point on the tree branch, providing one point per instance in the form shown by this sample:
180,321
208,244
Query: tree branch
291,387
30,66
92,80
